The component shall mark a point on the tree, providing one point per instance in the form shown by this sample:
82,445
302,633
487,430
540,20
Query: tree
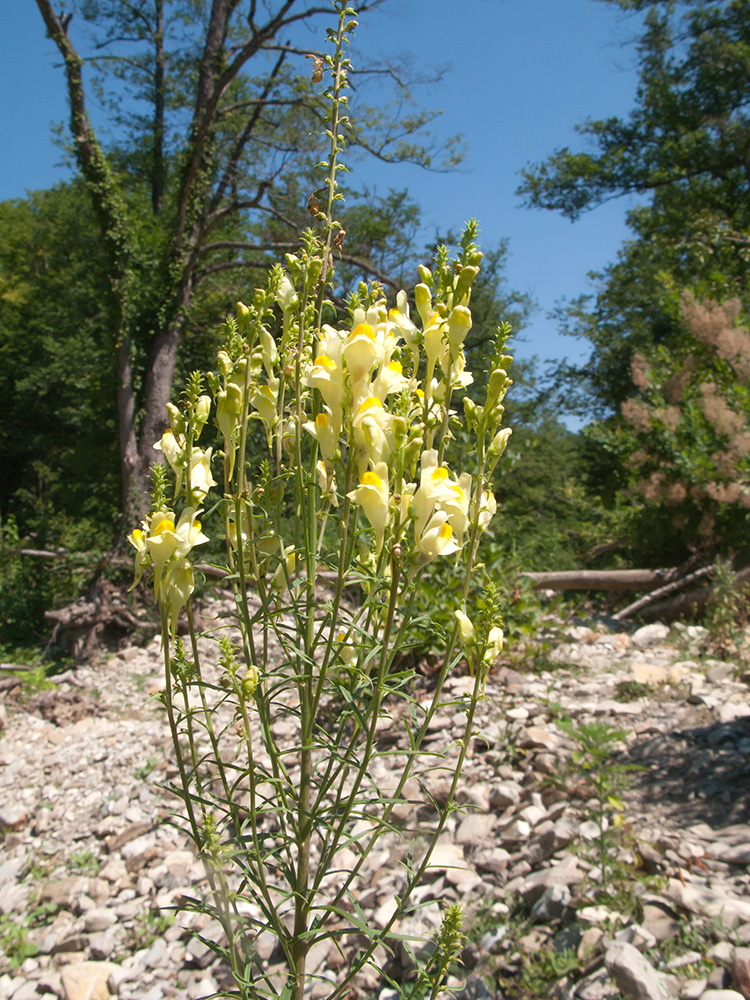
57,379
683,152
212,118
685,144
684,149
684,435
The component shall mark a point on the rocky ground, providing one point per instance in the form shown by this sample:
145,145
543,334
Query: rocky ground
90,872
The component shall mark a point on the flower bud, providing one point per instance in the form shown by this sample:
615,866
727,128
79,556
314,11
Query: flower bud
244,316
425,275
225,363
465,628
250,681
176,419
472,412
201,412
423,299
228,408
464,281
498,382
499,443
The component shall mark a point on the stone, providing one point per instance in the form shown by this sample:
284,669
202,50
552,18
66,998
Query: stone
551,904
739,967
660,920
638,936
102,946
504,794
535,737
475,829
649,635
633,974
99,918
708,902
649,673
26,991
566,873
12,817
87,980
730,711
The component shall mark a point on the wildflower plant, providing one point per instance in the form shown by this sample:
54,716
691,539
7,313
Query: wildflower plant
327,542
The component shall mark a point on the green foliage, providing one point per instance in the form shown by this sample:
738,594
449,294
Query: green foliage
545,966
147,927
682,149
84,862
727,609
57,379
683,439
593,759
30,586
631,690
684,144
14,942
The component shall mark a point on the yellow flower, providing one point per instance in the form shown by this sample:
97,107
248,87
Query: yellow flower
202,412
373,497
138,540
285,569
244,523
161,542
499,443
327,376
173,448
495,640
286,296
390,378
487,509
167,539
456,505
436,539
269,353
435,487
373,432
347,650
423,300
250,681
361,352
178,585
201,479
459,324
325,432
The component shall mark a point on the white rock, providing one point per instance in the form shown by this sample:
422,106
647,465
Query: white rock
708,902
649,635
633,974
730,711
98,919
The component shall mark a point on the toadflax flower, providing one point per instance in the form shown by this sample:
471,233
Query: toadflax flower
373,497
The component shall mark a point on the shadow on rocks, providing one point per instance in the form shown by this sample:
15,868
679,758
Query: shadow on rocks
702,771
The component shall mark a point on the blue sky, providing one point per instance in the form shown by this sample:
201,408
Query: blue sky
519,75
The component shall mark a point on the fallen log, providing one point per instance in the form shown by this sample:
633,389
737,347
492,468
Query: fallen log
603,579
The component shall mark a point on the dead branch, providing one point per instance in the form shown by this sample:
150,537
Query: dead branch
669,588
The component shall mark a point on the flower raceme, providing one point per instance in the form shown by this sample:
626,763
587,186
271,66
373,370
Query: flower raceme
373,399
